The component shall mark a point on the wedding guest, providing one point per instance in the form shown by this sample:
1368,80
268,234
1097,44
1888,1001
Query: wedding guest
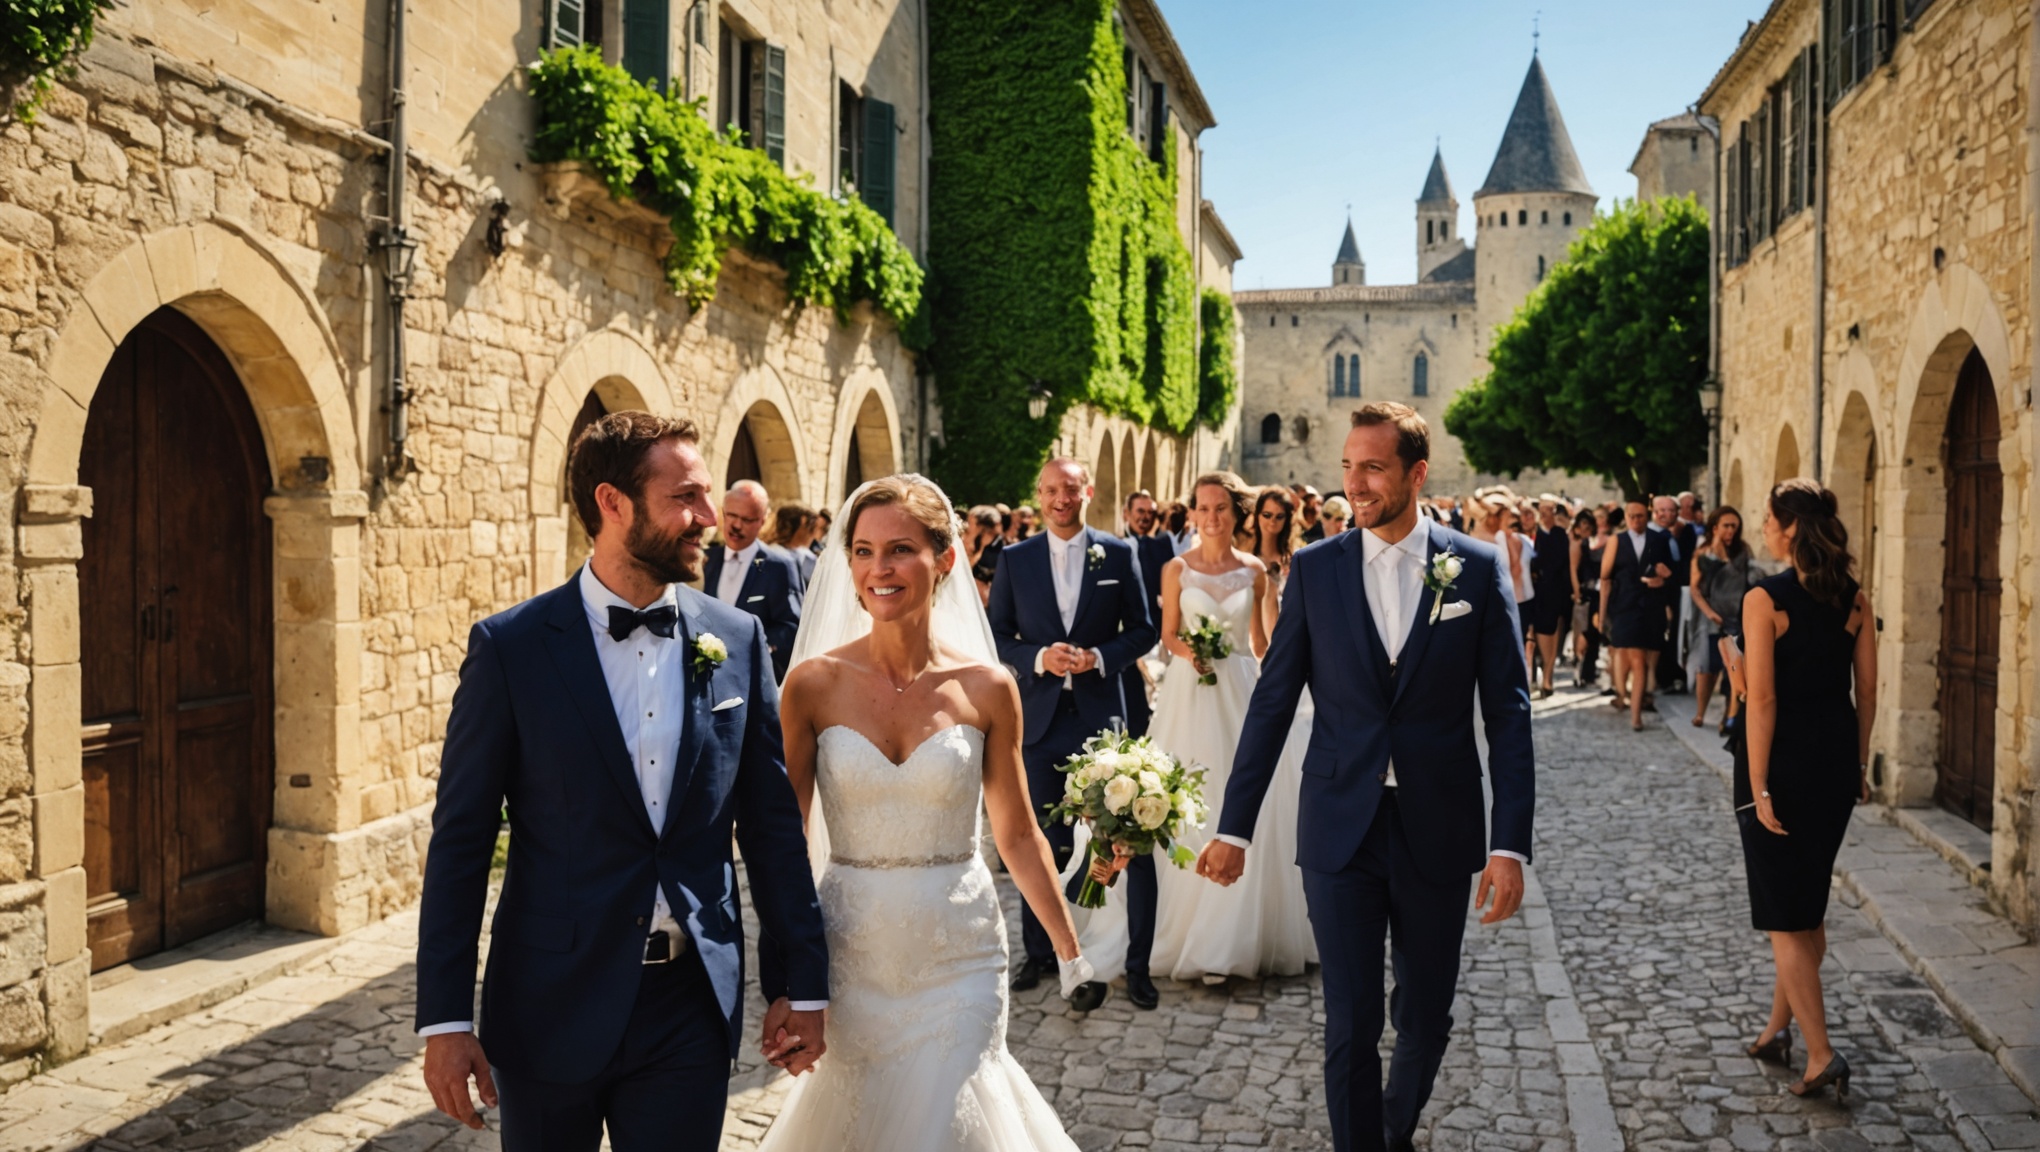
1551,583
1009,524
1025,522
821,539
1153,551
1309,502
1810,669
1721,575
1635,567
982,543
1337,514
750,574
1176,524
791,531
1664,517
1272,539
1583,547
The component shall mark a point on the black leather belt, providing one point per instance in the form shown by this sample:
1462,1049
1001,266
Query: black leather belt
663,949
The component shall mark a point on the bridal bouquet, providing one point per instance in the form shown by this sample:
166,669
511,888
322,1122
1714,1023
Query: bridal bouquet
1208,640
1133,794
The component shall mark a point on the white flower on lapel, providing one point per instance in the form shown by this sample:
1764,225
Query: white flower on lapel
1097,555
709,652
1439,577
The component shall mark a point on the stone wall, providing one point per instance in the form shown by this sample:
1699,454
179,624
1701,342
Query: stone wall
1929,238
210,158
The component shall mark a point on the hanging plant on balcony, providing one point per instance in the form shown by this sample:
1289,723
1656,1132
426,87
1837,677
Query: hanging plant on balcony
39,39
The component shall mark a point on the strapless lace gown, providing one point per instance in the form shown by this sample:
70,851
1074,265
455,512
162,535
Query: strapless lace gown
917,1058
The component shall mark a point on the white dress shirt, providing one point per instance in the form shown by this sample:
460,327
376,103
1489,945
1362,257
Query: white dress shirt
1393,577
735,566
1066,561
647,679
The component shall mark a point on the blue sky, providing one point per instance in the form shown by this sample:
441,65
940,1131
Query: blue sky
1325,103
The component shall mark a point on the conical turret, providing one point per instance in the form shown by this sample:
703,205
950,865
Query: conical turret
1347,267
1536,153
1438,238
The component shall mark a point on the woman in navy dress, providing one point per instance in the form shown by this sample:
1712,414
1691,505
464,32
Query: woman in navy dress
1811,675
1634,567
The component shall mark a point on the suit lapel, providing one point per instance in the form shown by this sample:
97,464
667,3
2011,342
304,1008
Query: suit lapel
711,572
693,732
1046,584
571,641
1373,654
1420,628
1087,580
754,577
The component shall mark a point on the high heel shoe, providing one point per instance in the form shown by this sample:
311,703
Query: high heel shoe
1836,1073
1776,1050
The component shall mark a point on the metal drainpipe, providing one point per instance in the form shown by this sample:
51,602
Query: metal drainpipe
396,270
1823,151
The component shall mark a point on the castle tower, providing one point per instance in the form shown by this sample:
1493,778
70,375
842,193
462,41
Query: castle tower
1438,238
1347,267
1535,200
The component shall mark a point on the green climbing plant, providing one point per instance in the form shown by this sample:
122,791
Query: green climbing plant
1054,256
1218,379
718,194
40,39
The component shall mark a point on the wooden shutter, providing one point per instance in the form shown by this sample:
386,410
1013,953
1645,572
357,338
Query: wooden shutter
875,179
1758,144
1158,121
647,43
768,100
1810,146
1794,90
1731,208
565,23
1834,12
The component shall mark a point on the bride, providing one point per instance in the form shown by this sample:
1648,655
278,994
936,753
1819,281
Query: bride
895,735
1259,925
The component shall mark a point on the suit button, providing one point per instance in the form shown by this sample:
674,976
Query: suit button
641,920
1383,777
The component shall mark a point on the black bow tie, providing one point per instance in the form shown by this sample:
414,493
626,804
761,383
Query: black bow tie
658,621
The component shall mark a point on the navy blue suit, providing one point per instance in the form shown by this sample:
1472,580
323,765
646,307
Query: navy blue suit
772,591
567,1000
1112,617
1374,856
1154,553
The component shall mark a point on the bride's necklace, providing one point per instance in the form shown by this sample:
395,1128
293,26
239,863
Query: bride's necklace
901,689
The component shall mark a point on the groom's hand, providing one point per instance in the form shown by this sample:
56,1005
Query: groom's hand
1222,863
450,1058
793,1040
1503,876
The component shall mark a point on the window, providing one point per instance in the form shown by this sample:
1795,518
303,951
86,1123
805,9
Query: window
1522,216
1271,321
1568,219
1544,217
1271,429
1345,374
1504,218
1302,427
1338,375
1540,269
1420,376
573,22
1292,321
751,90
1428,226
1770,171
1860,37
1147,107
648,40
865,148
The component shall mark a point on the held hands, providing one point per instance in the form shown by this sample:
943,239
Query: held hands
1222,863
792,1040
450,1058
1067,660
1503,876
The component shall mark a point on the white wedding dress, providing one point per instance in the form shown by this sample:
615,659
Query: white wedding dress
917,1058
1259,925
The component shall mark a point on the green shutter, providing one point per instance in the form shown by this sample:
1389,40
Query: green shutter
647,32
769,91
565,23
875,173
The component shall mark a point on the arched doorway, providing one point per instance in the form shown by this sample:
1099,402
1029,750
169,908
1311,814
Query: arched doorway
175,625
1965,776
1854,475
762,450
869,453
1105,481
1785,465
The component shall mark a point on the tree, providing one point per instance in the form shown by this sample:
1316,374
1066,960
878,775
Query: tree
1601,368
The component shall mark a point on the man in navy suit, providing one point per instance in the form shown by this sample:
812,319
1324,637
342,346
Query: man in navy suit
628,723
1070,615
745,572
1390,827
1154,553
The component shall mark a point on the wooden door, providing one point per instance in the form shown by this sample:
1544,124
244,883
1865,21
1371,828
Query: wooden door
174,610
1970,588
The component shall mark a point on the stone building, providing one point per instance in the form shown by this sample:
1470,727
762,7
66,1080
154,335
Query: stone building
1876,245
1313,354
1677,158
234,606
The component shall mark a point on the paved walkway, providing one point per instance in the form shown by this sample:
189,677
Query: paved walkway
1611,1014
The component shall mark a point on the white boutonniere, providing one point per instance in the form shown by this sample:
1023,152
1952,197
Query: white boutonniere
1439,577
709,652
1097,555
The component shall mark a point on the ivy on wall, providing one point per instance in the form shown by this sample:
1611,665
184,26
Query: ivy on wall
38,38
1055,259
659,150
1218,379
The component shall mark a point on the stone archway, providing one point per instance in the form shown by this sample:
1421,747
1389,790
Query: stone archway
866,442
1150,467
1104,514
1785,461
1732,492
1852,475
1129,473
275,341
620,372
753,433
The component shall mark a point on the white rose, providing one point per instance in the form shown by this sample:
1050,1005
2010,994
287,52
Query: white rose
1150,811
1107,761
711,646
1119,792
1150,784
1450,566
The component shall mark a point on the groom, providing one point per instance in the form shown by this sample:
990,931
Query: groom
1070,615
627,722
1390,827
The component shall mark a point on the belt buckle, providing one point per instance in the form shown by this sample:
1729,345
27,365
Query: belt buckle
658,949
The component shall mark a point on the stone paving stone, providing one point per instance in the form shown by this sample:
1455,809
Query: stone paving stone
1636,978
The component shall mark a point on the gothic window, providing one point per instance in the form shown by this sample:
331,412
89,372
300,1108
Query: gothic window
1302,426
1522,216
1345,375
1544,217
1338,375
1540,269
1504,218
1568,219
1420,376
1271,428
1353,374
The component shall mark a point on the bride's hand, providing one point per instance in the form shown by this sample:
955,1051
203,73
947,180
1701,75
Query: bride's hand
1103,870
1202,665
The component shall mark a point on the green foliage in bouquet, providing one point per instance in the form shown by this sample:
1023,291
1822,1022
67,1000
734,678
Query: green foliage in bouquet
1211,644
1054,254
1132,794
718,194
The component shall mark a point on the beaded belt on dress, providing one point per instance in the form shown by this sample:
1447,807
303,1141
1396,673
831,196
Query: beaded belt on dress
901,861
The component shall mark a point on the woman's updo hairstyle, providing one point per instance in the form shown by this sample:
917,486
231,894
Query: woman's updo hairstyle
913,495
1820,548
1239,496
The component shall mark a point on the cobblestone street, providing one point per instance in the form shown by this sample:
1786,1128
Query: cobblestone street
1611,1014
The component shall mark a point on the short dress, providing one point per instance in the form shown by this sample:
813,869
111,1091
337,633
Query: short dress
1815,777
1636,612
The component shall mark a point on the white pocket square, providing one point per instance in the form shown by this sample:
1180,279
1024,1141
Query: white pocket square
728,704
1454,610
752,599
1106,583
